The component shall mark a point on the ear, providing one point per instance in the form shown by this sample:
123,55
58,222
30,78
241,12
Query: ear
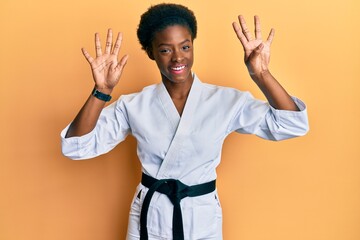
150,53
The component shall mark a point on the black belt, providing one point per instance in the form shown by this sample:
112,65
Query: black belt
175,190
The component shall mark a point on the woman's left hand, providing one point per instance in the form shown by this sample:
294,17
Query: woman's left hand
257,51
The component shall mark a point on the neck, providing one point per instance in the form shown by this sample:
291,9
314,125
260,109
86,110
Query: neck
178,90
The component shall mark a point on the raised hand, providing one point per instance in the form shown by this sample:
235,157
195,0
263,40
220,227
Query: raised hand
106,68
257,51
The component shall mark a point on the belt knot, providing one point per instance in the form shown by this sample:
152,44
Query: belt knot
175,190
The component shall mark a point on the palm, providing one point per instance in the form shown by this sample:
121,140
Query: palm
252,45
257,60
106,68
103,73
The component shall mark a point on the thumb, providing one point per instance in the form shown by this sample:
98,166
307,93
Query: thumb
255,53
257,50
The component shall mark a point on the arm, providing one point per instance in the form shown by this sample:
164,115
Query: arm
106,71
257,58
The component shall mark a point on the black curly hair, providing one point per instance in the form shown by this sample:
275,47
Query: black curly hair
159,17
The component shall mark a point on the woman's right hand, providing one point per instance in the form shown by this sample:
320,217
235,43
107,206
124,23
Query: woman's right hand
106,68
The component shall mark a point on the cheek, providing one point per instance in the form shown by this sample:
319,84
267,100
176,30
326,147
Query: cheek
161,64
191,59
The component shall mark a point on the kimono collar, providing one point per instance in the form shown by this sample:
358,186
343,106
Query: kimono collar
190,105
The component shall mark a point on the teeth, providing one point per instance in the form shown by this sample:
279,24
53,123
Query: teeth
178,68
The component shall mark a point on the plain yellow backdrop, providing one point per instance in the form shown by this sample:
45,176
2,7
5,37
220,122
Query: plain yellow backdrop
304,188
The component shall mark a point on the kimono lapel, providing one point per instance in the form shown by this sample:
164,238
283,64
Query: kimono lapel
181,127
169,108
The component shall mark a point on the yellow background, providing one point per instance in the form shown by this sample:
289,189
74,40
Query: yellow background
305,188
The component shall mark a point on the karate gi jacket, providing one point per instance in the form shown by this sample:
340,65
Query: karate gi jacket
187,148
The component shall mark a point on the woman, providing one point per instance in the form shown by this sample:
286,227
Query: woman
180,124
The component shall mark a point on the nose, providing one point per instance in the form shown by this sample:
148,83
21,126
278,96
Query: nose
177,56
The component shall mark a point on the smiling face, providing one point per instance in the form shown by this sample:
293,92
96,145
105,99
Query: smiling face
172,50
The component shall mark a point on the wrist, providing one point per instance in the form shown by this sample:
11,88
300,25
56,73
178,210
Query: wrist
104,90
101,95
261,76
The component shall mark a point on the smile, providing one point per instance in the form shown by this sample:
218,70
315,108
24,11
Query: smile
178,68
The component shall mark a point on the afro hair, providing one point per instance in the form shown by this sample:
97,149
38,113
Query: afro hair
161,16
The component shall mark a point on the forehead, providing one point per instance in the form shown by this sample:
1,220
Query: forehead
172,35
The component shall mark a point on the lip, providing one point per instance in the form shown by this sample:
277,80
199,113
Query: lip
177,69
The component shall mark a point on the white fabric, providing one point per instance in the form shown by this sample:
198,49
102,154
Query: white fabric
187,148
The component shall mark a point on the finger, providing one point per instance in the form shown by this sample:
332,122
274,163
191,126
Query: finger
257,27
97,45
271,35
117,44
122,62
244,28
108,42
87,55
257,51
239,34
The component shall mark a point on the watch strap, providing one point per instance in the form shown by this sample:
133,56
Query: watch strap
102,96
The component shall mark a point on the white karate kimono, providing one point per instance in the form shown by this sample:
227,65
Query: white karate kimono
187,148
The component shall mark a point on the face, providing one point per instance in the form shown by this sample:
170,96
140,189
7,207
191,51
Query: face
172,50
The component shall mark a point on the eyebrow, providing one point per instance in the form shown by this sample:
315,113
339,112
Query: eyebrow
167,44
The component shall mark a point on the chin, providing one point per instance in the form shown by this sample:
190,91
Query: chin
177,79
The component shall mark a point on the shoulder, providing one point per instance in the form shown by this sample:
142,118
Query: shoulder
223,92
146,92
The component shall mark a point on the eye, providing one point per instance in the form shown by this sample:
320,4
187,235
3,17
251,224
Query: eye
187,47
165,50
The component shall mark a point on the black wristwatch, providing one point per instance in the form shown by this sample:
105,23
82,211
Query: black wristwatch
99,95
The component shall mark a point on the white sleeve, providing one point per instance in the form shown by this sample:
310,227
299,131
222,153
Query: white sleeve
258,117
112,128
